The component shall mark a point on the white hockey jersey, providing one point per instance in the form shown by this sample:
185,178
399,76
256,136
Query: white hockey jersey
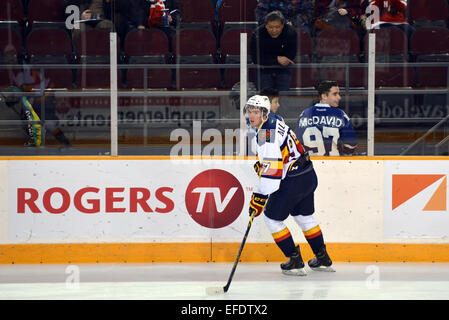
277,149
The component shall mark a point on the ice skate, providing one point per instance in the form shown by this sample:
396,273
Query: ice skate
321,261
294,266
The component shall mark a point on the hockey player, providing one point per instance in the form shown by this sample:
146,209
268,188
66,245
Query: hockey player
28,80
324,129
33,129
287,182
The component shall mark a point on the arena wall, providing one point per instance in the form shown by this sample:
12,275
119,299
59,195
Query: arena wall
162,209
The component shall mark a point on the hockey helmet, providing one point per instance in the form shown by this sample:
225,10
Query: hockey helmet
260,102
9,95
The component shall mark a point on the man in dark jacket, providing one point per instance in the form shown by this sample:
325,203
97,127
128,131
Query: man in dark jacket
338,14
273,47
352,8
124,13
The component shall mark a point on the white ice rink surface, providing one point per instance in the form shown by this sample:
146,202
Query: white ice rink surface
252,281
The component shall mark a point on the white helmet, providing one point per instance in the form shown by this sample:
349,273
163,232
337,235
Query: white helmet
261,102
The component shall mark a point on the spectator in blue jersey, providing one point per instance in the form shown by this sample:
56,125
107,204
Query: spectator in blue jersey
273,47
324,129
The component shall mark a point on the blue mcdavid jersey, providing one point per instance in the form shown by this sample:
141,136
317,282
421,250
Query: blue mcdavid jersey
325,131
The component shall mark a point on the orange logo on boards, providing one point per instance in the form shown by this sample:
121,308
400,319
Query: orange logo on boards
406,186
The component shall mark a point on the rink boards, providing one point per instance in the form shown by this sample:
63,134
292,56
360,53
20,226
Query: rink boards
162,209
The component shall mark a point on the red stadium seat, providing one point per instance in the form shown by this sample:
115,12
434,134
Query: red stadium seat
391,45
194,42
338,45
147,42
45,14
197,11
304,78
93,47
230,50
237,11
236,14
357,77
395,77
11,10
197,78
48,10
196,46
94,42
305,50
10,46
431,45
230,41
385,77
7,77
436,12
155,79
429,41
197,14
96,78
232,76
147,47
432,77
57,47
59,78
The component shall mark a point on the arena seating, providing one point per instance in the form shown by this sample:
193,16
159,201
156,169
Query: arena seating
431,45
56,49
45,14
428,13
196,46
147,47
11,11
11,48
24,23
92,47
230,53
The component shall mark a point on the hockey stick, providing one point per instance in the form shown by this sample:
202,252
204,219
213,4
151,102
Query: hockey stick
220,290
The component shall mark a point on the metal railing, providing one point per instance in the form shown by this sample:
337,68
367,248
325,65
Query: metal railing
221,92
421,140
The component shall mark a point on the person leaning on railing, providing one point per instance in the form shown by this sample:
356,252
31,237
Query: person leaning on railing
273,47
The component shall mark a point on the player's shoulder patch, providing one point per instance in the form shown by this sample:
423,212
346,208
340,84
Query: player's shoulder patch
265,135
268,131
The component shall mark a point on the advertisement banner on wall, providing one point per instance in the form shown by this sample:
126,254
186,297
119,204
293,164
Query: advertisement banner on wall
95,111
128,200
416,199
